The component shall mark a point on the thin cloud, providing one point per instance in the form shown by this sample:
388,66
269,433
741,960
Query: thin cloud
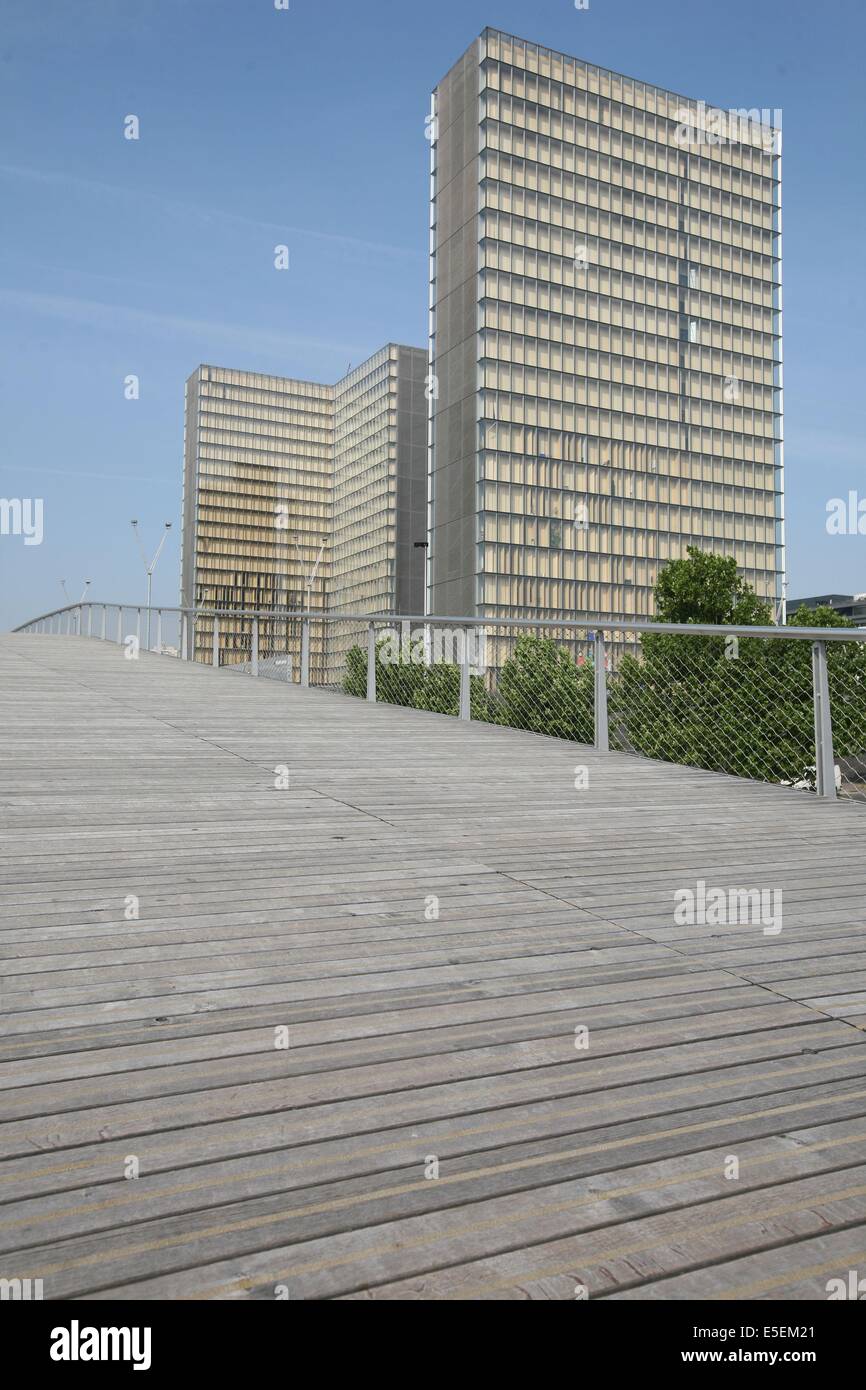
85,473
205,214
95,314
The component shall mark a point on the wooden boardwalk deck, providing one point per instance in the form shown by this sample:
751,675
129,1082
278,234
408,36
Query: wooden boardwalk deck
306,1171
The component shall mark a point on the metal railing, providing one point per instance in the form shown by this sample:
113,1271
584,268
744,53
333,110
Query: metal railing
775,704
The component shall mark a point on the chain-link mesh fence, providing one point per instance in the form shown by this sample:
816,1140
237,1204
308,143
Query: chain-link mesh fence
736,705
279,648
533,681
541,681
341,641
268,645
740,705
418,665
846,679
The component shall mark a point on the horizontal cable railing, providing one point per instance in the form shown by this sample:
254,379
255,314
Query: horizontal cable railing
774,704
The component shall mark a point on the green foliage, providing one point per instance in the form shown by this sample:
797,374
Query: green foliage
747,713
822,616
439,691
355,679
541,688
402,681
707,589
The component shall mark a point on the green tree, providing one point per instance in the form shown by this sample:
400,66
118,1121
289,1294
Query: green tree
403,681
541,688
439,691
397,680
706,588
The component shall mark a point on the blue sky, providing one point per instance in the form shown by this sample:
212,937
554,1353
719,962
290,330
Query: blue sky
306,127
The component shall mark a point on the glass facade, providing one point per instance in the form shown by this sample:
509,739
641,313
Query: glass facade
299,495
257,493
380,478
605,325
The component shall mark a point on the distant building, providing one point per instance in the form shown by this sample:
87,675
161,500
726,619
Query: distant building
303,495
851,606
380,485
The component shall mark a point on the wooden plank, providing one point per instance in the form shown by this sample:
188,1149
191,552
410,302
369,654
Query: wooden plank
411,1034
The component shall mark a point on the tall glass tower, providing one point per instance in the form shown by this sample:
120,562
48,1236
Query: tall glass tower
605,337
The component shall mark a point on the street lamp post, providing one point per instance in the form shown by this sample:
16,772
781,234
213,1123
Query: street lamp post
87,583
149,568
310,579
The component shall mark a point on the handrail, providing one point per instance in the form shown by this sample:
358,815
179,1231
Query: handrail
592,621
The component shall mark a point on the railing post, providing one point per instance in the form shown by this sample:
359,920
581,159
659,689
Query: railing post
602,742
216,641
255,651
371,662
825,766
305,651
183,636
90,619
465,711
119,624
159,629
138,627
104,620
